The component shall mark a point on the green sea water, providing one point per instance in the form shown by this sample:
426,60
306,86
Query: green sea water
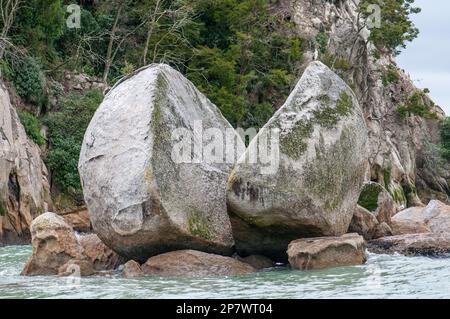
383,276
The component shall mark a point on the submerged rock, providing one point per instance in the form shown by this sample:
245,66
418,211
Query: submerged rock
24,187
191,263
322,162
325,252
143,202
413,244
54,245
132,269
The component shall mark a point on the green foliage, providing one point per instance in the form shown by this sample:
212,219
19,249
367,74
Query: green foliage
28,79
322,41
445,138
38,24
390,76
416,105
396,26
246,59
66,130
32,127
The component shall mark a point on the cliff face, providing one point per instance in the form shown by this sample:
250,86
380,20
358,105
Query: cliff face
24,188
401,150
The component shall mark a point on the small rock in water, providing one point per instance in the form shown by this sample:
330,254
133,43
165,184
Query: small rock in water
132,269
192,263
54,244
325,252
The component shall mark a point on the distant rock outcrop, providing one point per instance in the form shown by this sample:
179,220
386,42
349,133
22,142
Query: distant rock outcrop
322,165
141,201
24,187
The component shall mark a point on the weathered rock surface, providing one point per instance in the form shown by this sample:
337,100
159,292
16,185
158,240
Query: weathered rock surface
54,245
77,268
376,199
398,148
24,188
413,244
435,218
58,251
258,261
141,201
322,163
409,221
191,263
132,269
78,219
363,223
325,252
101,256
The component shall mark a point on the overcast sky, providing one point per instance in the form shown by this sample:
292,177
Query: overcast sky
427,58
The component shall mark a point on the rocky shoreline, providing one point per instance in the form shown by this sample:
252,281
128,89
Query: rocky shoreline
154,216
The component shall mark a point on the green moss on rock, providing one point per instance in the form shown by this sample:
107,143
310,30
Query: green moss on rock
294,144
198,226
369,196
328,117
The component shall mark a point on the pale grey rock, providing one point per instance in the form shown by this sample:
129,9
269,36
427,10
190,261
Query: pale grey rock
24,187
141,202
434,218
322,165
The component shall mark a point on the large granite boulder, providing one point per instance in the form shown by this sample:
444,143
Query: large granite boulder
24,187
146,184
325,252
322,162
192,263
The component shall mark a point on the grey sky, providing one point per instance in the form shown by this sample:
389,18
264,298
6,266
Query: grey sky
427,58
